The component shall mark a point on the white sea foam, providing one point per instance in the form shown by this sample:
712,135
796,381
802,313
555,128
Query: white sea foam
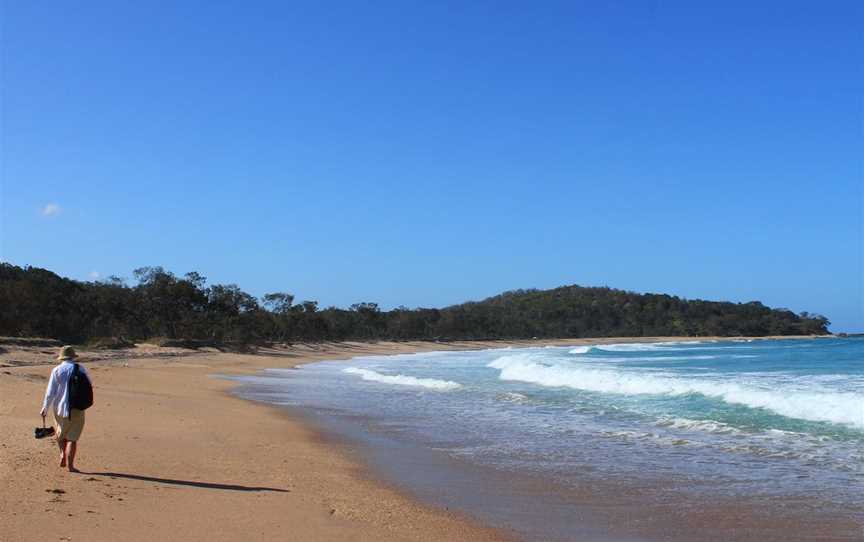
825,406
404,380
709,426
647,347
676,343
513,397
666,346
656,359
628,347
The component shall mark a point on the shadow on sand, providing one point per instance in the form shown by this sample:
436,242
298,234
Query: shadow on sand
205,485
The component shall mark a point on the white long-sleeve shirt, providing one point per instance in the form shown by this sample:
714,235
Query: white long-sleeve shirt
57,392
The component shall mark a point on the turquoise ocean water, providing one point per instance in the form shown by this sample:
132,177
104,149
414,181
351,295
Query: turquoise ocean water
754,418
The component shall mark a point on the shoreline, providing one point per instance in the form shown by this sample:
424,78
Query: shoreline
169,450
535,506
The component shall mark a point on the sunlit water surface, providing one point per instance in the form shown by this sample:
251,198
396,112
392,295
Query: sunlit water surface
778,418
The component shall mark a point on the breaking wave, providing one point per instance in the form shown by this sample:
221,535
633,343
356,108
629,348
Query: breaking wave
637,347
845,408
404,380
629,347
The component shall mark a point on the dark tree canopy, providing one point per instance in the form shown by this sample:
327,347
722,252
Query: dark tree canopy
37,302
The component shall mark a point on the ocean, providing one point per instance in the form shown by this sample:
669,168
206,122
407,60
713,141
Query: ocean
772,427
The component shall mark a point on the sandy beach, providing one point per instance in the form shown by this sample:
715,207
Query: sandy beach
169,454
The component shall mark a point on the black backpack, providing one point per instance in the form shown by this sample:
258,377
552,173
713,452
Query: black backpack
80,390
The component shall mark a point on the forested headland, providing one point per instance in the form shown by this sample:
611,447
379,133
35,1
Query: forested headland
36,302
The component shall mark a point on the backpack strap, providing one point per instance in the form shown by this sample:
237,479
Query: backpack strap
68,384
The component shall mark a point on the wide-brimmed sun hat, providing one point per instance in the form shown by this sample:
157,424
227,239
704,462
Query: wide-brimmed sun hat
67,352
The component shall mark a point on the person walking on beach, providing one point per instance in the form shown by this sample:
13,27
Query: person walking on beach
68,407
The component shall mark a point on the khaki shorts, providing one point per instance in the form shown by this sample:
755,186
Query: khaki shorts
70,428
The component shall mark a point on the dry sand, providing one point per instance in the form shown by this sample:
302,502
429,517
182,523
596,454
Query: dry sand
167,454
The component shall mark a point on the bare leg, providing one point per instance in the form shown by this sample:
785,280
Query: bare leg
71,448
62,444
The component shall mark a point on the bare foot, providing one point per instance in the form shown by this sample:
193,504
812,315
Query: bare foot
73,469
62,460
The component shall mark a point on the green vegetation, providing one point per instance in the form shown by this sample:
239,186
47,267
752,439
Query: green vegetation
185,310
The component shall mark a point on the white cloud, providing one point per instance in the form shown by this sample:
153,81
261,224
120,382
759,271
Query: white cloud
94,275
52,209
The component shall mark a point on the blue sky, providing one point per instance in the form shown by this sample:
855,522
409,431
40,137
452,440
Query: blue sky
426,153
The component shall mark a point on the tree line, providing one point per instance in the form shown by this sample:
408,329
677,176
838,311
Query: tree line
36,302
